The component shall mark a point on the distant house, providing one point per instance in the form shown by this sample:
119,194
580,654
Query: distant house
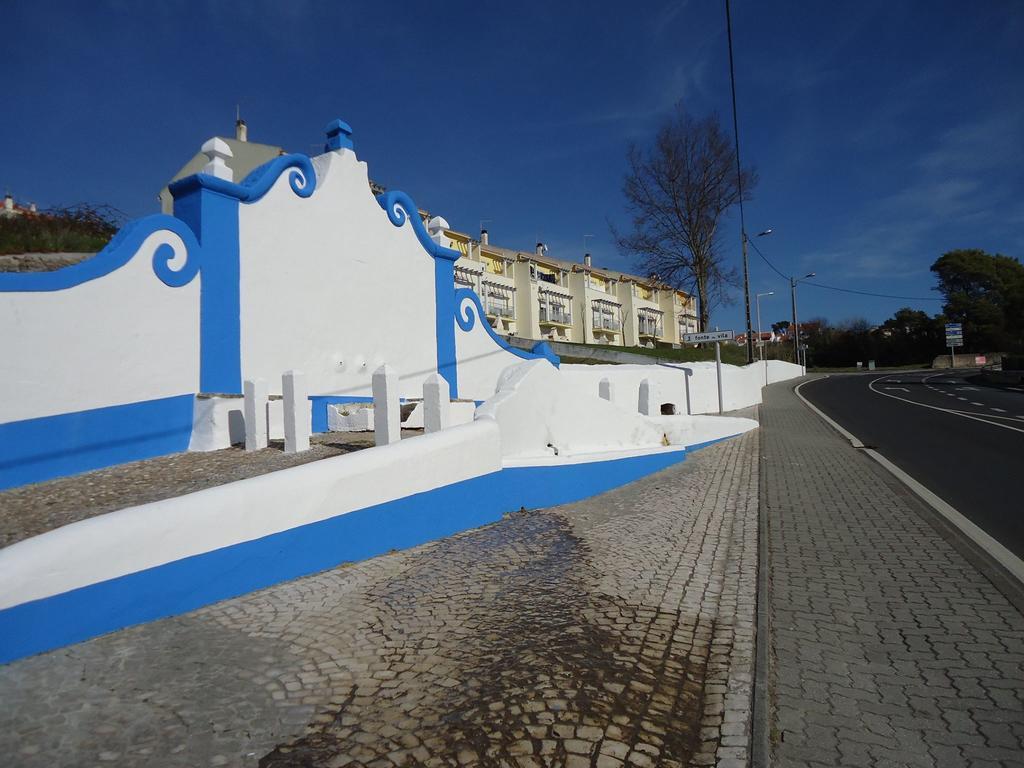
246,156
12,209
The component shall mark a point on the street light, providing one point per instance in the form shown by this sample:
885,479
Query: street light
796,325
792,290
760,344
746,280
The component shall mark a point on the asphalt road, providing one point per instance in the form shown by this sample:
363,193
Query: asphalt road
962,440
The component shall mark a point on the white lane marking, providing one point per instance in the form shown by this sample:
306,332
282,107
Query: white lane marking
967,389
998,410
980,405
961,414
1001,554
897,389
962,398
1016,389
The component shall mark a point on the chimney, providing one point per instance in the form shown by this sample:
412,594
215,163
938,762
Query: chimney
586,259
483,237
241,132
541,249
8,202
32,208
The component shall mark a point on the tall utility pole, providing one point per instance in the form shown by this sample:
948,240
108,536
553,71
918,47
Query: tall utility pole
746,300
796,330
739,182
796,325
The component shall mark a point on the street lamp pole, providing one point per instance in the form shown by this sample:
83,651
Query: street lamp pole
746,301
796,325
760,344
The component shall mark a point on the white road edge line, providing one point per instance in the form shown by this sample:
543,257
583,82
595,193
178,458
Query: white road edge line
993,548
871,386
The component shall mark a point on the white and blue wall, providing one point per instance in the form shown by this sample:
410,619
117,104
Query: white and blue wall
298,266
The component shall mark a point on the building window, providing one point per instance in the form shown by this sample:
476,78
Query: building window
649,322
555,309
605,316
499,300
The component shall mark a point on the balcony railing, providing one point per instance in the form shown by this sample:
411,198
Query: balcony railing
649,329
606,323
555,316
500,310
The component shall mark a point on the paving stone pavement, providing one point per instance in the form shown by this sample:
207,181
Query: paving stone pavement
30,510
888,648
615,631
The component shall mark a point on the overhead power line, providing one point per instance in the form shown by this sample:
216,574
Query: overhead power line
842,290
878,295
766,261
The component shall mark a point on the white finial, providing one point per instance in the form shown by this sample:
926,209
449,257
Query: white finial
218,151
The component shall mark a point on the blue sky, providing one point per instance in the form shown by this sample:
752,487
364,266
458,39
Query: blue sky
884,133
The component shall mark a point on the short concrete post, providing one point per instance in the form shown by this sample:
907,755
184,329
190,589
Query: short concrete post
217,152
387,413
436,403
606,390
296,412
255,413
646,397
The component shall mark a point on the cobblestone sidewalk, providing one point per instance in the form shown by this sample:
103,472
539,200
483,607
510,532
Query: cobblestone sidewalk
616,631
888,647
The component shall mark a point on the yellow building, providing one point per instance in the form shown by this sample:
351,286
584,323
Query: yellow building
535,296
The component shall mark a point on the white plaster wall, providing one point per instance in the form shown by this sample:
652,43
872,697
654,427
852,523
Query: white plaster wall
779,370
538,414
741,386
122,338
481,360
694,430
458,413
145,536
330,287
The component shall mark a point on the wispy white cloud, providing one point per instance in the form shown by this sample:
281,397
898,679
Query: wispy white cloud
956,181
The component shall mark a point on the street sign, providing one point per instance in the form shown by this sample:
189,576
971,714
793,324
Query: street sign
700,338
954,334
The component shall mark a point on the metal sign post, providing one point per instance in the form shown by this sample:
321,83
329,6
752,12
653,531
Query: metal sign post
954,338
717,337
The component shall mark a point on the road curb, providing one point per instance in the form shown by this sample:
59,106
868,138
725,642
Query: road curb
760,735
981,543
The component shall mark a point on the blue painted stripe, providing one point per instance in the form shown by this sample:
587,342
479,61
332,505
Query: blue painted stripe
193,582
53,446
214,217
444,328
706,443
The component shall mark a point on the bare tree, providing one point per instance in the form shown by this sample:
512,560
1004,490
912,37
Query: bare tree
677,192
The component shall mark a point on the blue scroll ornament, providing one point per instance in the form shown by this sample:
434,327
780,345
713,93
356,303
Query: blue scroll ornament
466,300
399,208
118,252
301,178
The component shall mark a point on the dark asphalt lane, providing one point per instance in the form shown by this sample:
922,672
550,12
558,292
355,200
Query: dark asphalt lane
962,441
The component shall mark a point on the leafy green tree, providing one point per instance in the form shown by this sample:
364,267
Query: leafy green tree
985,292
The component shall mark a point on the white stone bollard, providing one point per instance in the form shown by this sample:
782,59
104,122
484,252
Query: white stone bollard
606,390
436,403
296,412
217,152
387,412
255,413
646,397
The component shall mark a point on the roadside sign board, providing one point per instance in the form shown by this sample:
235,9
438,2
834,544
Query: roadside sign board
954,334
700,338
